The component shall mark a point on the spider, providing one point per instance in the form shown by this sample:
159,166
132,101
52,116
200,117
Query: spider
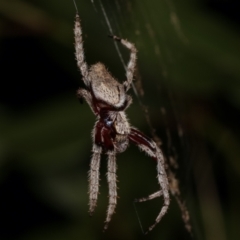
112,132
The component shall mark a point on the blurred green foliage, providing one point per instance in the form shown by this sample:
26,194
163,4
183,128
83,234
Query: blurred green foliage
188,62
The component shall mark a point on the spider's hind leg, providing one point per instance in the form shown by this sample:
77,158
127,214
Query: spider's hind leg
151,148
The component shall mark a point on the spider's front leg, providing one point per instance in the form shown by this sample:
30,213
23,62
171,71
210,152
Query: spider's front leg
94,178
132,62
150,147
103,137
112,186
95,163
79,52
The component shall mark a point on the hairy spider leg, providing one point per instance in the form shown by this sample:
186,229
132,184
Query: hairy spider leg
79,53
132,61
150,147
93,178
99,138
103,138
101,135
112,186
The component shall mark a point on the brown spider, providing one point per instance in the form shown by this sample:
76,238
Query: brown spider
112,132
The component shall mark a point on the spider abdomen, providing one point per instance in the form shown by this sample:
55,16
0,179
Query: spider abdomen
104,87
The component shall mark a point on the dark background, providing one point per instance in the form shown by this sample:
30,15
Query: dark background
189,65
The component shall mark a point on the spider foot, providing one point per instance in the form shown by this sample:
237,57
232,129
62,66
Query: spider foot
115,38
91,214
150,229
159,217
81,94
105,227
92,206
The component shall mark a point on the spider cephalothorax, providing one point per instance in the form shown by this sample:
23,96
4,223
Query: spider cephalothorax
112,132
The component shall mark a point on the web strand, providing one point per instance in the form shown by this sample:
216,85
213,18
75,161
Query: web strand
75,6
138,218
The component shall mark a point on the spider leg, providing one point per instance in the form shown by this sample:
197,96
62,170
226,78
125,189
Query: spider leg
150,197
150,147
112,185
79,53
132,62
103,138
83,93
94,178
